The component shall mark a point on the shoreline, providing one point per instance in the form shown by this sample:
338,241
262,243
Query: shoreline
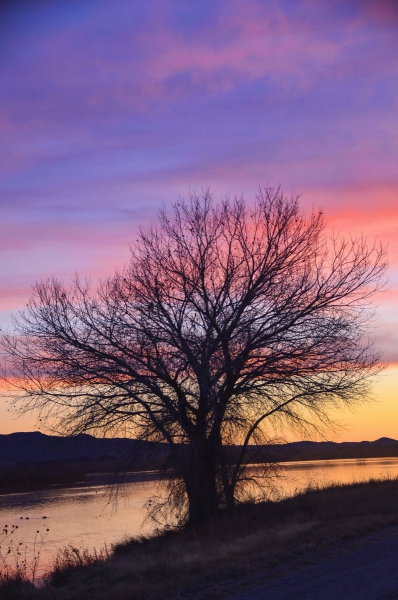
33,460
117,477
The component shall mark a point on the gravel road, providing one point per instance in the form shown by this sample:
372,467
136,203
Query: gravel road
362,569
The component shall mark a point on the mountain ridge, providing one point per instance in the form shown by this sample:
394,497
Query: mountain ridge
35,446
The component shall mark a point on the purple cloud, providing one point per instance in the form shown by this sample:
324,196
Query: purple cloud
108,109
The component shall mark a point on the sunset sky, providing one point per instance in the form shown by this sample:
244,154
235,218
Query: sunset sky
108,109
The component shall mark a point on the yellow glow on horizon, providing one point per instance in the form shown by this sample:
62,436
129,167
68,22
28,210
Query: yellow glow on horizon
10,422
375,419
368,422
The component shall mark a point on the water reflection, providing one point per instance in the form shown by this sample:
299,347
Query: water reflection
83,516
325,472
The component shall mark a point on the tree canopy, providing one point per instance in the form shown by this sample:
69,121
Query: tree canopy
228,317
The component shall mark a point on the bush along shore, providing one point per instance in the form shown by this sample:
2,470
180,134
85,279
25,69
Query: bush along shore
183,562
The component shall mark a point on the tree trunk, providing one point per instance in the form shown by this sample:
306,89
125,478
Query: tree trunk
200,480
229,492
227,486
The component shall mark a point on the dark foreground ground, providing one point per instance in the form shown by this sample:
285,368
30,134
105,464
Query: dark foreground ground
336,543
363,569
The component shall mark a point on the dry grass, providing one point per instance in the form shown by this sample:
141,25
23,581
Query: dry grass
15,586
257,535
17,576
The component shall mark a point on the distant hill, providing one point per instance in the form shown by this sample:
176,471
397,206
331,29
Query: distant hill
34,446
35,459
308,450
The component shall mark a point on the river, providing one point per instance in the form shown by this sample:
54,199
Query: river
83,515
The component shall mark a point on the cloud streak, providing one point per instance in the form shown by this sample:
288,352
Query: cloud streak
108,109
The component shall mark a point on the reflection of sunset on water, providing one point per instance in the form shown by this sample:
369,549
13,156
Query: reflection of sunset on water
84,517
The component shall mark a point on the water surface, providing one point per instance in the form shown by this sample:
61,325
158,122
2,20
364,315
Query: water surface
83,515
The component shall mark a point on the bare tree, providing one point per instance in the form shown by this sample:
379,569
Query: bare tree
226,319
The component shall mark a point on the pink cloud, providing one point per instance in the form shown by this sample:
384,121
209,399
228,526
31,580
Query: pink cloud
249,42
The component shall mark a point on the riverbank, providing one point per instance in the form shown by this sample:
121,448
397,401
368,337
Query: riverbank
207,562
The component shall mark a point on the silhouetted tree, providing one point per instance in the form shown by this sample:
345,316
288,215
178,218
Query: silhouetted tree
226,319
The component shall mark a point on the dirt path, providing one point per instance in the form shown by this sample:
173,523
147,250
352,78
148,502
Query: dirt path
362,569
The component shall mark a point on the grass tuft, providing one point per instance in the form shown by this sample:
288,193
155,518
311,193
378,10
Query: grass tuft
70,560
15,586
